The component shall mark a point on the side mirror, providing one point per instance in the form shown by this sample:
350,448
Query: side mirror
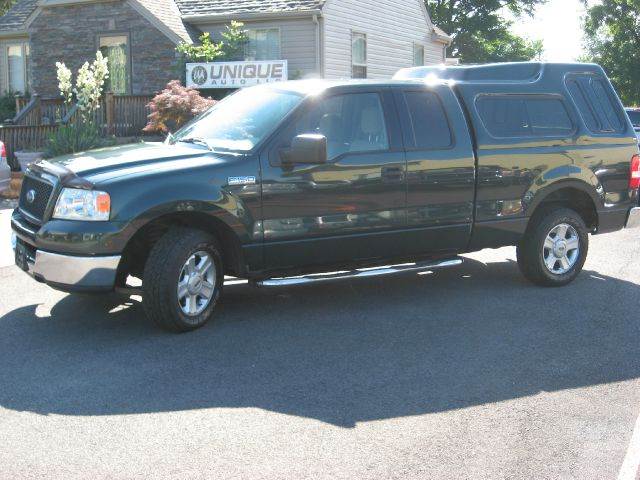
309,148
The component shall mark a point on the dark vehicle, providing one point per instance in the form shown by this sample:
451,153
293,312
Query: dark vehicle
304,178
634,116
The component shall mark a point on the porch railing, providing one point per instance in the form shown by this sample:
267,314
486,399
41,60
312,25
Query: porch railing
39,111
24,137
39,118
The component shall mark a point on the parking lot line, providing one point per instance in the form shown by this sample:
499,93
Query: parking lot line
631,465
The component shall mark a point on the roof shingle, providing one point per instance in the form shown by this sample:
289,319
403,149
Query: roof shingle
17,15
167,12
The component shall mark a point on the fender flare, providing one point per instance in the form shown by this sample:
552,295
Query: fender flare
535,196
207,216
239,225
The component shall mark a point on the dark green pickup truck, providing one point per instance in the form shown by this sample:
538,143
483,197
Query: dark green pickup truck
281,184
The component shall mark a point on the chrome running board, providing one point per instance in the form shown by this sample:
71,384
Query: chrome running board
360,273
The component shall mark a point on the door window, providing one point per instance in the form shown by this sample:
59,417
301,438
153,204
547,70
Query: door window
429,122
352,123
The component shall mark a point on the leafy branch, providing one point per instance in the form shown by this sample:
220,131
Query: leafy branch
231,47
479,31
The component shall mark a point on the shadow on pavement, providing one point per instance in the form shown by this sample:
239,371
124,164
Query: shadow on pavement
340,353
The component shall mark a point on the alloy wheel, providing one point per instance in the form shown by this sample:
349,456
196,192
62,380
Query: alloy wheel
196,284
561,249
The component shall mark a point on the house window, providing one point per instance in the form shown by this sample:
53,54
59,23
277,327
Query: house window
263,44
358,55
17,61
418,55
116,49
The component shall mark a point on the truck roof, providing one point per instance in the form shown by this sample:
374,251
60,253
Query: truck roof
515,72
315,86
508,73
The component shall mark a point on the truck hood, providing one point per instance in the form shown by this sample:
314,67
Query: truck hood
104,161
125,156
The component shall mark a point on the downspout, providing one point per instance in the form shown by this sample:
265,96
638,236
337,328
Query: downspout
317,24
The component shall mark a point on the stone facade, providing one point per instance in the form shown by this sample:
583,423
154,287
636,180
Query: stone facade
70,34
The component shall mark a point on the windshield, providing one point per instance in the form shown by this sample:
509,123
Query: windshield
635,117
240,121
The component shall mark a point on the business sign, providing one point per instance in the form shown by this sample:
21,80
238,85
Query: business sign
235,74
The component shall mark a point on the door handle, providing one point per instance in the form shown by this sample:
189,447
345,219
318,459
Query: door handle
392,174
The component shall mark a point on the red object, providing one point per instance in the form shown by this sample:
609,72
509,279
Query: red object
3,152
634,180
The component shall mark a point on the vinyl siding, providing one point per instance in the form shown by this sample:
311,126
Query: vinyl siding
297,42
392,27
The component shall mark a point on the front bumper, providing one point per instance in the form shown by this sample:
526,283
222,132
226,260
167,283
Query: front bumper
633,220
68,272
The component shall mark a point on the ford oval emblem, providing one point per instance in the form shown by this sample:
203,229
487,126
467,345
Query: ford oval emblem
31,196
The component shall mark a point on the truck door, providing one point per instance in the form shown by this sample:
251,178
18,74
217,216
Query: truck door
440,169
353,206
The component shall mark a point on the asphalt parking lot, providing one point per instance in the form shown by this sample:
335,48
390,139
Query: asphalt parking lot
465,373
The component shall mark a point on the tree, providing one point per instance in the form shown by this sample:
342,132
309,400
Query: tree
480,33
230,48
612,33
5,5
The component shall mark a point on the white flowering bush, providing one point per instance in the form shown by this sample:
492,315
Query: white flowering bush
89,84
83,133
64,82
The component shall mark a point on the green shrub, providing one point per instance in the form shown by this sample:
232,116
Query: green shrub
75,137
7,107
230,48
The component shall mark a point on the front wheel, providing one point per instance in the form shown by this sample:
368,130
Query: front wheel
183,280
554,248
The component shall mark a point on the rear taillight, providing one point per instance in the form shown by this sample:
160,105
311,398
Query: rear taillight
3,151
634,180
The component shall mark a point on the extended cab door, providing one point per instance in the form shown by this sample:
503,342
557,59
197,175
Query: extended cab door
348,209
440,169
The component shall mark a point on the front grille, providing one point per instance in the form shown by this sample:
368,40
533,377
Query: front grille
41,195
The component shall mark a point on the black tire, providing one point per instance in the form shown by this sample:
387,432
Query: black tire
531,251
162,272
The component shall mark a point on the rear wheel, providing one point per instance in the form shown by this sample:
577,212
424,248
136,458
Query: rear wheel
554,248
183,280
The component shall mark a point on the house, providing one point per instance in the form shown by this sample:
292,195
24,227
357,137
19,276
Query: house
326,38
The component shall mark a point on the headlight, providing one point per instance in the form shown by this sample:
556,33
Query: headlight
88,205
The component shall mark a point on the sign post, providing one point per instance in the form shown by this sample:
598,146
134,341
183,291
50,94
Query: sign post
236,74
